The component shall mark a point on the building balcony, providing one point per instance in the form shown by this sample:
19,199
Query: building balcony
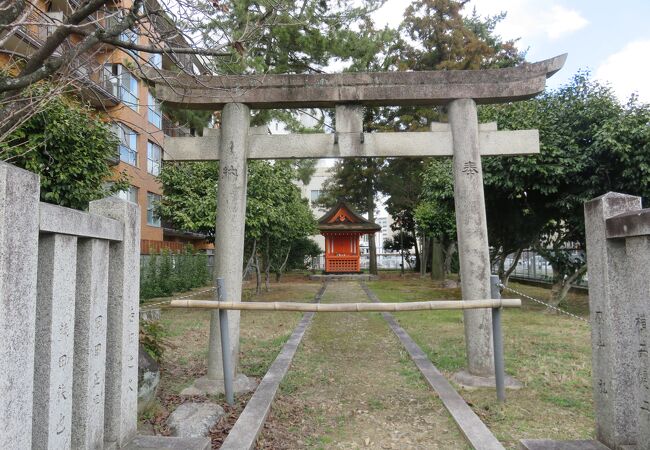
96,89
85,72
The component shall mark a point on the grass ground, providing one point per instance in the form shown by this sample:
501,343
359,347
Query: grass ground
351,385
550,354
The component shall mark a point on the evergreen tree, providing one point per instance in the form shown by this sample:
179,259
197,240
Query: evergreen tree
434,35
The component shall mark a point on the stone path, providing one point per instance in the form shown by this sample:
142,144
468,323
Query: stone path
352,385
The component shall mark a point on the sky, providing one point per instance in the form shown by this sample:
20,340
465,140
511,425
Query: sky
609,38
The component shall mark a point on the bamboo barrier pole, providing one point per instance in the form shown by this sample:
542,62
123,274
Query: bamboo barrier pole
349,307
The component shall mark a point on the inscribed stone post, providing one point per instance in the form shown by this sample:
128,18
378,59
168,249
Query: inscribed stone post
90,344
231,217
471,224
19,199
57,265
614,356
121,395
637,249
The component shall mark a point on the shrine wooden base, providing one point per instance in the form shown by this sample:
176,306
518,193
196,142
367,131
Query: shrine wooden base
343,277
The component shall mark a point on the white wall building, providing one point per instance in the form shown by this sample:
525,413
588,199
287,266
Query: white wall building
311,192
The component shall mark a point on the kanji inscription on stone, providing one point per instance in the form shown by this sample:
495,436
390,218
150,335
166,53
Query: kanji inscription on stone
470,168
230,171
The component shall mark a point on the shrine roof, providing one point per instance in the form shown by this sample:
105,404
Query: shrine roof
342,217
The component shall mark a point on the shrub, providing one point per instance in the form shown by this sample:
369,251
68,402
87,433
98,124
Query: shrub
164,274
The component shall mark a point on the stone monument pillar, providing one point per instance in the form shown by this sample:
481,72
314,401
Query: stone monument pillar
52,421
471,224
89,372
19,215
614,317
122,324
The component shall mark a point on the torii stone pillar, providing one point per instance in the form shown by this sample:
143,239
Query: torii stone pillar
471,225
229,238
231,218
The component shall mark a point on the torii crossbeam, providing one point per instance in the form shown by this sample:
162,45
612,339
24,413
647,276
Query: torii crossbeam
461,138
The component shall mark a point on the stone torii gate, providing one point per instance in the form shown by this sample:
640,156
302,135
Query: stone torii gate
462,138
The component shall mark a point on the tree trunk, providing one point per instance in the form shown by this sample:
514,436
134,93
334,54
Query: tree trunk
418,257
424,256
258,275
561,287
249,264
449,253
267,266
501,264
437,260
280,271
505,278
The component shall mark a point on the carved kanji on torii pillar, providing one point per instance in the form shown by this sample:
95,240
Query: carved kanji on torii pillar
462,138
343,228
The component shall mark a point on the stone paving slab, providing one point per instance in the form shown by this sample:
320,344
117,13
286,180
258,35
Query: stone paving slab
545,444
468,381
168,443
472,427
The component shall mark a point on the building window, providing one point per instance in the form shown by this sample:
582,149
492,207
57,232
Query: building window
128,145
315,195
155,59
154,158
129,89
152,217
155,114
121,83
130,194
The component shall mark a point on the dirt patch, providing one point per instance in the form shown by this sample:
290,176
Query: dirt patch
186,332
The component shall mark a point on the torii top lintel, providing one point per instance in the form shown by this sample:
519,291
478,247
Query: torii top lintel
367,88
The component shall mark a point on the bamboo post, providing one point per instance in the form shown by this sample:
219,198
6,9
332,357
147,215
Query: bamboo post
350,307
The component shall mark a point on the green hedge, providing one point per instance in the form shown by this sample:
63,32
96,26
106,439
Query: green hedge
163,274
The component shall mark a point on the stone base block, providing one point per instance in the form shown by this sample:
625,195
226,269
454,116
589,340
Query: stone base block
192,420
344,277
150,314
203,385
468,381
545,444
168,443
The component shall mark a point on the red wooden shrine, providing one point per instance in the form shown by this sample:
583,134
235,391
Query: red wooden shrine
342,228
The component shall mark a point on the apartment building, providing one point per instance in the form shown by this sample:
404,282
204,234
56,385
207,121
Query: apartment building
107,80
